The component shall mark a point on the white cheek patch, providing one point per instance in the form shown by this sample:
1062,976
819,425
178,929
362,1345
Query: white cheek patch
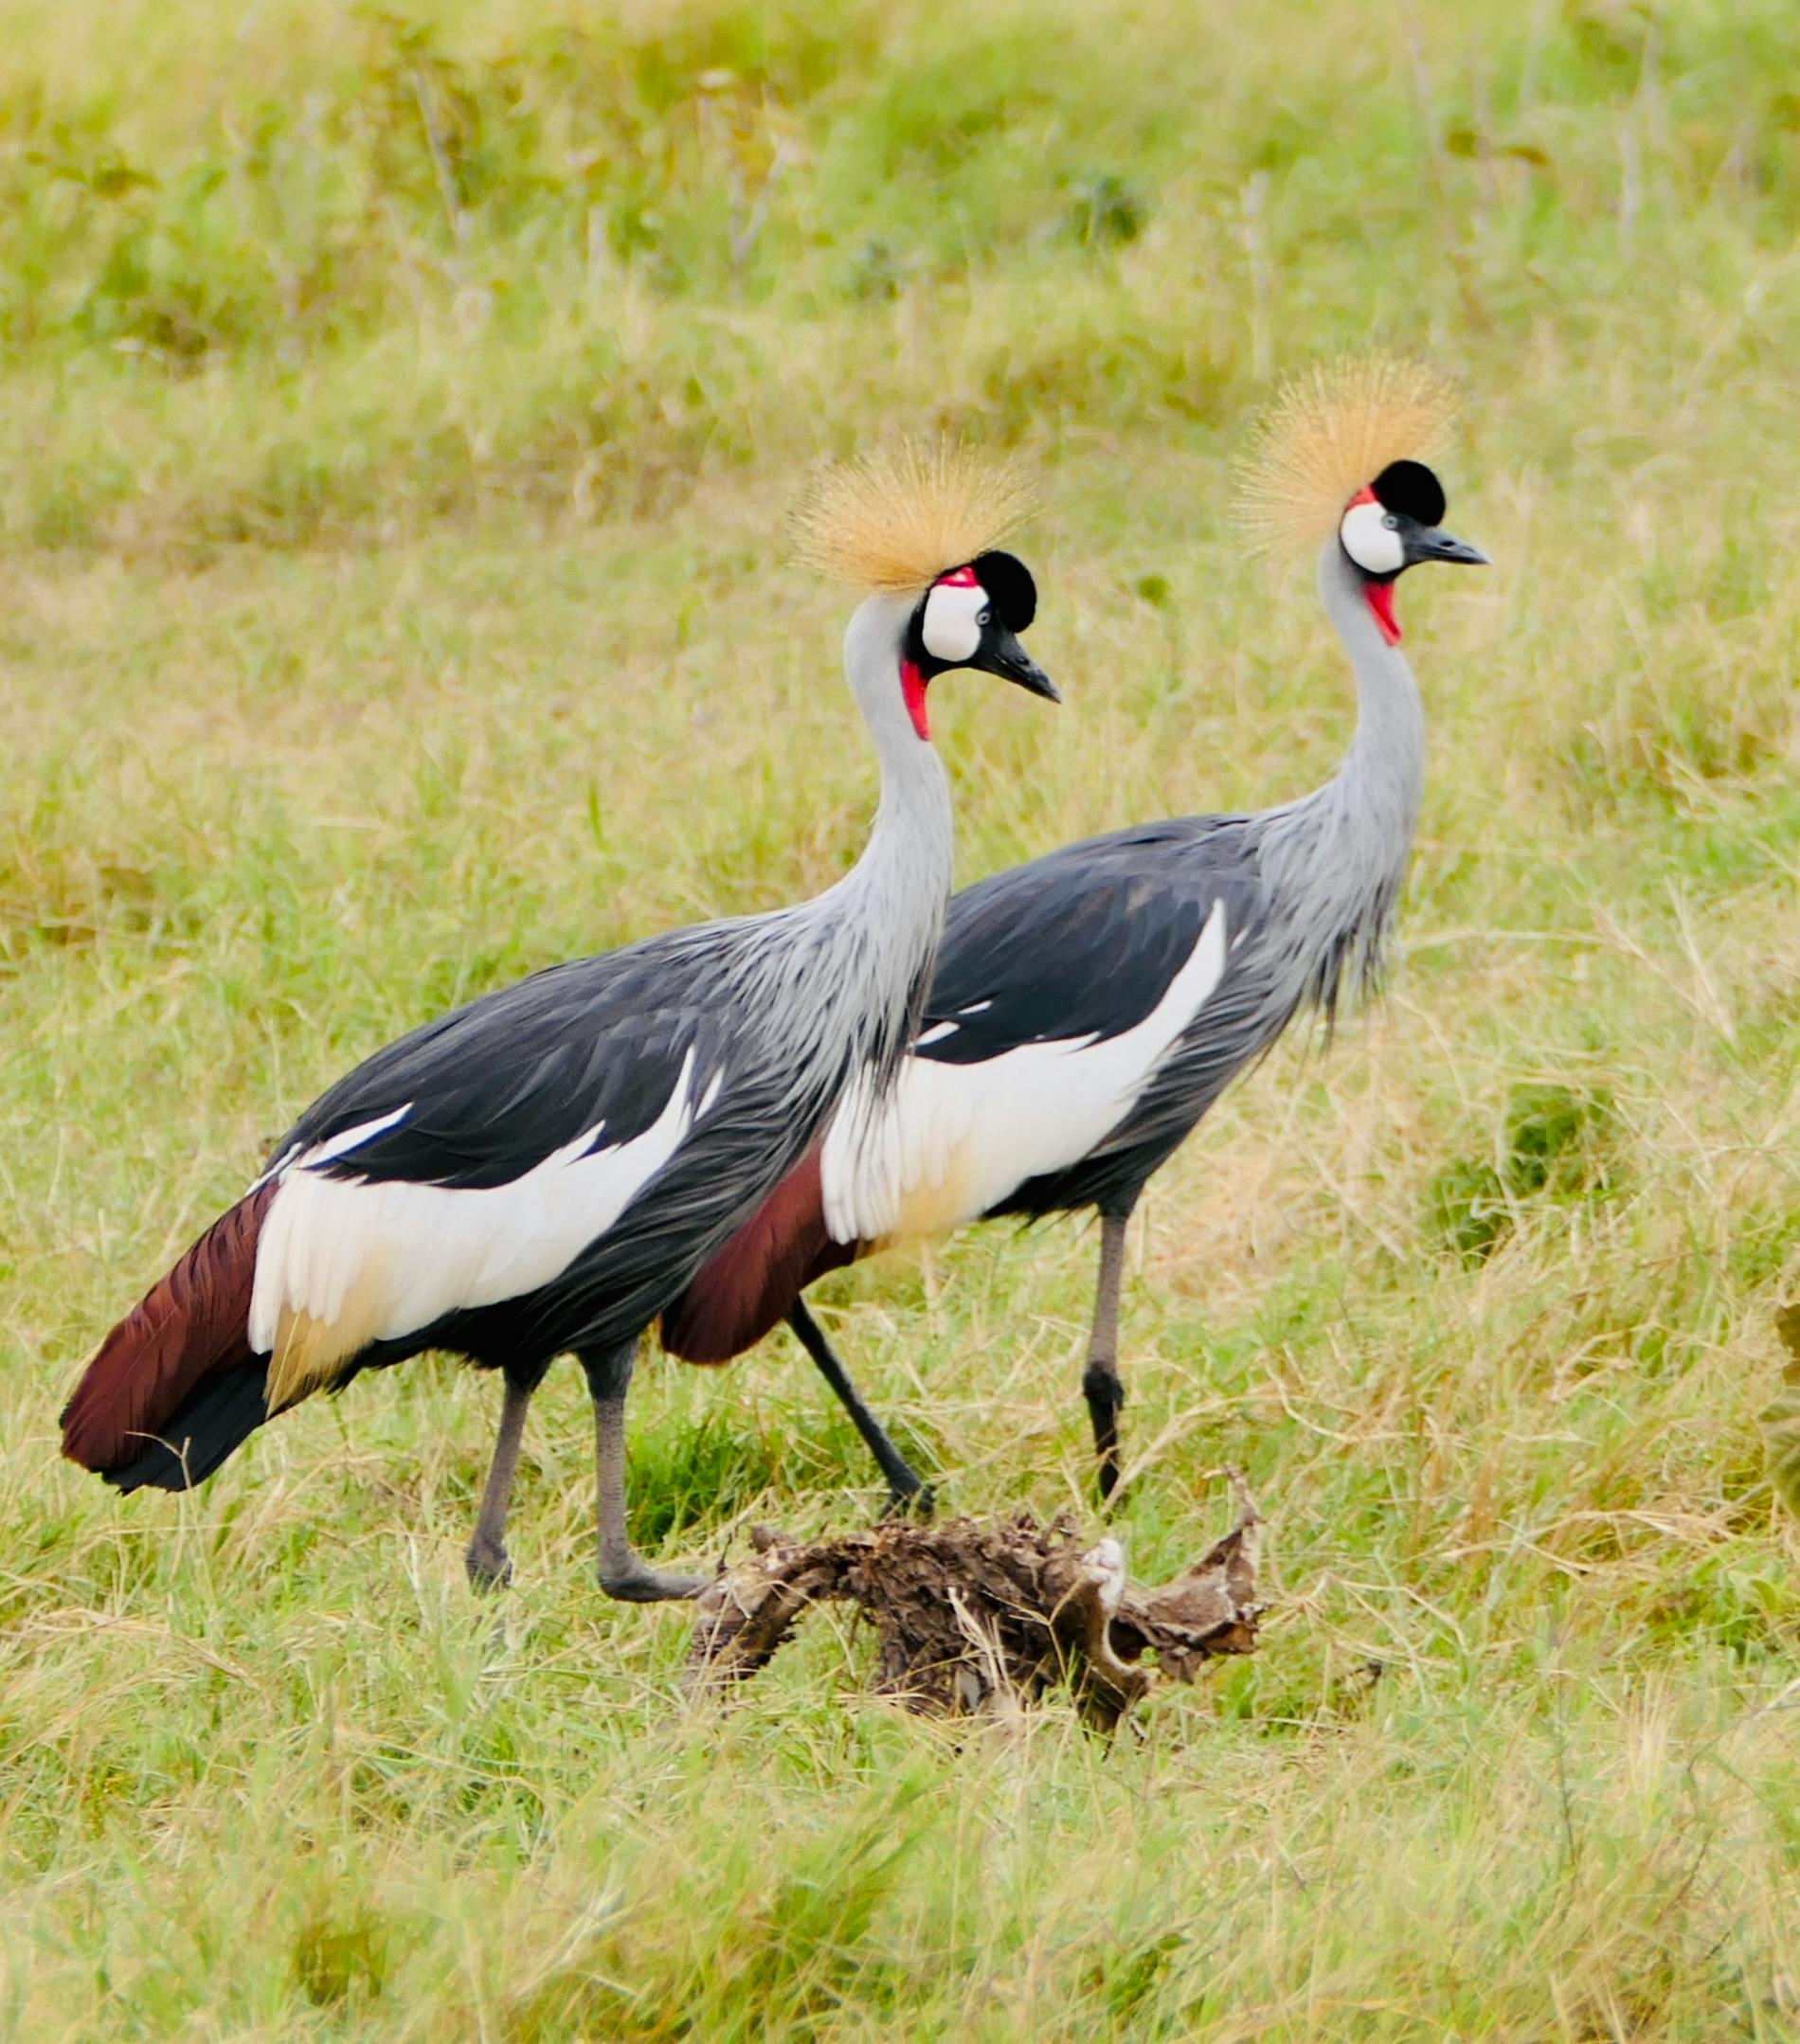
1370,541
948,627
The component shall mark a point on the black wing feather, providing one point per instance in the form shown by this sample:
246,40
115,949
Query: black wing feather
1084,940
493,1088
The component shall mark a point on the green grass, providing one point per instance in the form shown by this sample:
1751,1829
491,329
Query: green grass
399,409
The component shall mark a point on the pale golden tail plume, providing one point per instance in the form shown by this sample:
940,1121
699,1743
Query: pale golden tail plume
310,1352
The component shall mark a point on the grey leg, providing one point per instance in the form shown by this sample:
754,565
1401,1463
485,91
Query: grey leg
907,1492
1101,1382
623,1573
488,1563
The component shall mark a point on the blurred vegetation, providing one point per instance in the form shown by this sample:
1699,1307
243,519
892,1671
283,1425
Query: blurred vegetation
400,406
337,265
1552,1145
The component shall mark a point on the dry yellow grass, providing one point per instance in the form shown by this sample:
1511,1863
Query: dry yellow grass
393,598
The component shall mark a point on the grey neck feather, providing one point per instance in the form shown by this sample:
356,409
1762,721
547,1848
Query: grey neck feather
912,847
1336,858
864,948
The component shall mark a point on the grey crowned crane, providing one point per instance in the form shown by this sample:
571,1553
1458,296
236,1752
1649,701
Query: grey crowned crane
1090,1007
546,1170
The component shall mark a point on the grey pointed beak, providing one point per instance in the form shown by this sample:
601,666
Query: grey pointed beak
1431,543
1007,658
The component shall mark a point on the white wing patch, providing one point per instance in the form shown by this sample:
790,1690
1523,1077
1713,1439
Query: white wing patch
343,1261
352,1138
322,1152
952,1140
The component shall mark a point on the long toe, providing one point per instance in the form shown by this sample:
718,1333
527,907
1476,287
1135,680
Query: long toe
640,1584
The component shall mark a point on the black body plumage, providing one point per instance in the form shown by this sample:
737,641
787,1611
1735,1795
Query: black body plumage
592,1048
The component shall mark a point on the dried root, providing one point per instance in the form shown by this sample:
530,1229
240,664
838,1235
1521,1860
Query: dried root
973,1616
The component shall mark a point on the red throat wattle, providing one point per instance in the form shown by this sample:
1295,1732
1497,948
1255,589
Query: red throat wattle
912,688
1380,596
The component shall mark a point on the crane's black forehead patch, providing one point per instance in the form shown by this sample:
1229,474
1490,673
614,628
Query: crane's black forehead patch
1410,488
1008,581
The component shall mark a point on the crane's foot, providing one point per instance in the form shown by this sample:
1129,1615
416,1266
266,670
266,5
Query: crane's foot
1107,1477
489,1565
634,1582
918,1502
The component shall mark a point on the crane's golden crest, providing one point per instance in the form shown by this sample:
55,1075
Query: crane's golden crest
899,517
1330,433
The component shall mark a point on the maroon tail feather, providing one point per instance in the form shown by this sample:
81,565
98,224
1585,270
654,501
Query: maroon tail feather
193,1322
762,1270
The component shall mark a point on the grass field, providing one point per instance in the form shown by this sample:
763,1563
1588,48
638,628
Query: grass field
399,408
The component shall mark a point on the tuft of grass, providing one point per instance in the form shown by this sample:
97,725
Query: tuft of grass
401,408
338,1958
1781,1421
1553,1146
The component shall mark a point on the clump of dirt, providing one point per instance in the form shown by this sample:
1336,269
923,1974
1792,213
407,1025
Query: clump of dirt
975,1617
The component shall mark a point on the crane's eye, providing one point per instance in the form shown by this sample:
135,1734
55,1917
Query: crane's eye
984,618
1392,523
